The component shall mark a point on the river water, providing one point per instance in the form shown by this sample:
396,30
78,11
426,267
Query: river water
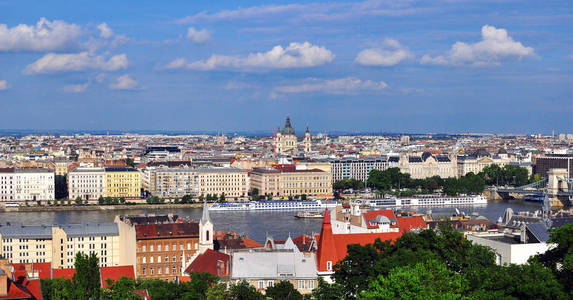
256,224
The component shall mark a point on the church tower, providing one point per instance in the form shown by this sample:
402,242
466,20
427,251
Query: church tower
205,230
285,140
307,144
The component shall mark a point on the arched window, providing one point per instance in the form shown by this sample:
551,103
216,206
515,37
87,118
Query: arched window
207,236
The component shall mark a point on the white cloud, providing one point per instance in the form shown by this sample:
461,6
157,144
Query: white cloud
76,88
3,85
495,46
198,36
104,31
44,36
390,54
333,86
54,63
295,55
123,83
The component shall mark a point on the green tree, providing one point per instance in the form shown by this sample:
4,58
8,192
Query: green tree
560,258
100,200
242,290
283,290
121,289
327,291
122,200
87,277
218,292
79,200
222,197
130,163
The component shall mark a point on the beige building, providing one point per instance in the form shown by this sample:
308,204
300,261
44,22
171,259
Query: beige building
86,183
59,244
480,159
61,166
428,165
178,182
287,181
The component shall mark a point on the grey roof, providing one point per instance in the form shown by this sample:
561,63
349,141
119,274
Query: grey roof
87,170
205,217
120,169
273,265
288,130
19,231
539,231
98,229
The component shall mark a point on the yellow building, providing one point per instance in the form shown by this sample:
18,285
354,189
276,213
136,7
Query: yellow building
122,182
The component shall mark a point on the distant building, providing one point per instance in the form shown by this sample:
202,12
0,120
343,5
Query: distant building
359,168
122,182
480,159
87,183
287,180
286,141
26,184
178,182
554,161
428,165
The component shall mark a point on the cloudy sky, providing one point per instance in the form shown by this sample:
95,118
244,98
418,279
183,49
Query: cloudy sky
393,66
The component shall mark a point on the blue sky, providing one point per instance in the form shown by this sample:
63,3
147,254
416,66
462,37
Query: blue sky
393,66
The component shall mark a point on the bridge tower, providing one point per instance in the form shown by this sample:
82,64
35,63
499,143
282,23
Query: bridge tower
556,182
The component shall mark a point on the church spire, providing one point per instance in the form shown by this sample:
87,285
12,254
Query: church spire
205,218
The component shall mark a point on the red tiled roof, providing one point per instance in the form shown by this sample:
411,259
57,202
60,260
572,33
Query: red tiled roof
170,230
44,270
334,247
63,273
116,273
406,224
371,215
207,262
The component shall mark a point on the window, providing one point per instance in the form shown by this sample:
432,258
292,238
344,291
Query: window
151,271
261,284
270,283
143,248
166,270
188,246
166,258
174,270
144,260
166,247
301,284
151,259
159,259
329,265
159,271
174,258
159,247
143,271
311,284
151,248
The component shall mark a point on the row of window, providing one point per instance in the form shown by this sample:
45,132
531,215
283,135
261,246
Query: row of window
152,247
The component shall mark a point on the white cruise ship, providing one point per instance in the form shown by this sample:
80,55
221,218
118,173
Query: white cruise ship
426,200
274,205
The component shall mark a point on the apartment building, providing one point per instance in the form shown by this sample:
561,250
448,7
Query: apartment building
122,182
86,183
26,184
286,180
178,182
358,168
59,244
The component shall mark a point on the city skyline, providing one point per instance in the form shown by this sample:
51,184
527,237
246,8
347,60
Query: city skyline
372,66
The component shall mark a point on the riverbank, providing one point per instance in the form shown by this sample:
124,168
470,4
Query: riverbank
98,207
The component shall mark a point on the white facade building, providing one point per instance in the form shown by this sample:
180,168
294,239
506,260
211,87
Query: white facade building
26,184
86,183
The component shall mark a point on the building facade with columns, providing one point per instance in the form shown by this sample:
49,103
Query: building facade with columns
428,165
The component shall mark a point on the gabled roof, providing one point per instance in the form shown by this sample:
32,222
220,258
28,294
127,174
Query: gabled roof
406,224
371,216
207,262
115,273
